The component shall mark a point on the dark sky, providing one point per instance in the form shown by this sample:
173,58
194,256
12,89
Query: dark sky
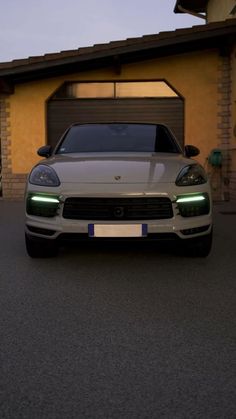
36,27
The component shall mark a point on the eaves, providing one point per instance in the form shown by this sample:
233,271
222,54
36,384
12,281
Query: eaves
218,35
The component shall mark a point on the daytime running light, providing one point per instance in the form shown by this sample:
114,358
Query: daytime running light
190,199
45,199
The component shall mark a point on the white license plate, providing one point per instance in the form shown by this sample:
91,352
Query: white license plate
117,230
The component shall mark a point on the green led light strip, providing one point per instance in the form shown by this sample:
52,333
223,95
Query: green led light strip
45,199
191,199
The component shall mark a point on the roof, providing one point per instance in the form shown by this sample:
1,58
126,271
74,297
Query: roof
116,53
198,6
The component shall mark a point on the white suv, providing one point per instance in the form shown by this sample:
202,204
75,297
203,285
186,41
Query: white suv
118,181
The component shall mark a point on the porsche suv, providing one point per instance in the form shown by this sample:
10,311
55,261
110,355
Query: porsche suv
118,181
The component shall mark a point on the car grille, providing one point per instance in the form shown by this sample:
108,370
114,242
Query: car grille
117,208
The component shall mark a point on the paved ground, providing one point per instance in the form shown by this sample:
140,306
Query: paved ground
113,332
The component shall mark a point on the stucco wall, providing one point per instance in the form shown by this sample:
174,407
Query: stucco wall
219,10
194,76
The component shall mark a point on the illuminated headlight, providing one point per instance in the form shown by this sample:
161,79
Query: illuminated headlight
193,205
43,175
47,199
188,199
191,175
42,205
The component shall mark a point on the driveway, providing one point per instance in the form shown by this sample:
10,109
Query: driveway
117,332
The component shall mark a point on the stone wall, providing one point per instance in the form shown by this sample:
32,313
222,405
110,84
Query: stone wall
13,185
220,176
232,185
224,121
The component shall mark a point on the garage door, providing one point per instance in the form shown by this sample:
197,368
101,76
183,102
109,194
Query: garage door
63,113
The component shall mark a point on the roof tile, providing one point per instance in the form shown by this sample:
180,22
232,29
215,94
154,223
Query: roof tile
119,44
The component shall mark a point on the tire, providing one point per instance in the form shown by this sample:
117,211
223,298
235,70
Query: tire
200,247
40,248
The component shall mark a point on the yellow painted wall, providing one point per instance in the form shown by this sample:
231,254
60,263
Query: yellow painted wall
194,76
219,10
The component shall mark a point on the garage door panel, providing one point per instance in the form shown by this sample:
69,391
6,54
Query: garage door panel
63,113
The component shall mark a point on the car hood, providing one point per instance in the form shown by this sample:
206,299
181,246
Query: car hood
148,168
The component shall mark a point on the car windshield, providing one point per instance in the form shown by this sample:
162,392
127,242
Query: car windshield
103,138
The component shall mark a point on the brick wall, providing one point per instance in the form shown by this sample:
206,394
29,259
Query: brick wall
13,185
225,121
220,177
232,185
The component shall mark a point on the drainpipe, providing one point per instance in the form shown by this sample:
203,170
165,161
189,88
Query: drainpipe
182,9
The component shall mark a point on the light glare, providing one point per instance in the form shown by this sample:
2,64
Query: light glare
45,199
191,199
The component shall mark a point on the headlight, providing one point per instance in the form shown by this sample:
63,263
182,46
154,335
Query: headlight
193,205
191,175
43,175
42,205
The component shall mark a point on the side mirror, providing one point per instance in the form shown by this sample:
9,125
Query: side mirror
191,151
45,151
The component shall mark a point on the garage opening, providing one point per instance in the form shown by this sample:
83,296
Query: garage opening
94,102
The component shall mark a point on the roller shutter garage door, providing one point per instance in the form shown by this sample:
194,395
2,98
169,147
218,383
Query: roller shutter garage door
61,113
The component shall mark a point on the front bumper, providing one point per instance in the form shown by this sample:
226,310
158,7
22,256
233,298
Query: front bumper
177,227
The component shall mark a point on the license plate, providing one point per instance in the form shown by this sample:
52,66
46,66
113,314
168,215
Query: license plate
117,230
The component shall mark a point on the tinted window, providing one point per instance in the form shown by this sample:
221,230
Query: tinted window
118,138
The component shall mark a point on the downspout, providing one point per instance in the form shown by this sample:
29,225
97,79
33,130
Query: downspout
182,9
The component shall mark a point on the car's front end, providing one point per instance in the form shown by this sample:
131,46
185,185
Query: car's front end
121,196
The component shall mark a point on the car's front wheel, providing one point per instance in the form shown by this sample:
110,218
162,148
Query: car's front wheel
200,247
40,248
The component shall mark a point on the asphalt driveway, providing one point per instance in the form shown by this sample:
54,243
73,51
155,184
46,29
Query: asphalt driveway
116,331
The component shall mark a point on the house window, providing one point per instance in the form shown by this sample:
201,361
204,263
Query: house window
101,90
91,90
144,89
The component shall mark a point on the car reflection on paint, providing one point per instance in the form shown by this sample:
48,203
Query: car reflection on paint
118,181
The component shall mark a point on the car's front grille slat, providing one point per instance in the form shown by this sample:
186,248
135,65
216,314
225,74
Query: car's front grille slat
117,208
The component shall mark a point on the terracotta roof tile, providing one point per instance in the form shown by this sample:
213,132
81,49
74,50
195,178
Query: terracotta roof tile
114,44
85,50
35,59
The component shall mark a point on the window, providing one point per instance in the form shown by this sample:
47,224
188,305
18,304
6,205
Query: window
144,89
91,90
103,138
100,90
